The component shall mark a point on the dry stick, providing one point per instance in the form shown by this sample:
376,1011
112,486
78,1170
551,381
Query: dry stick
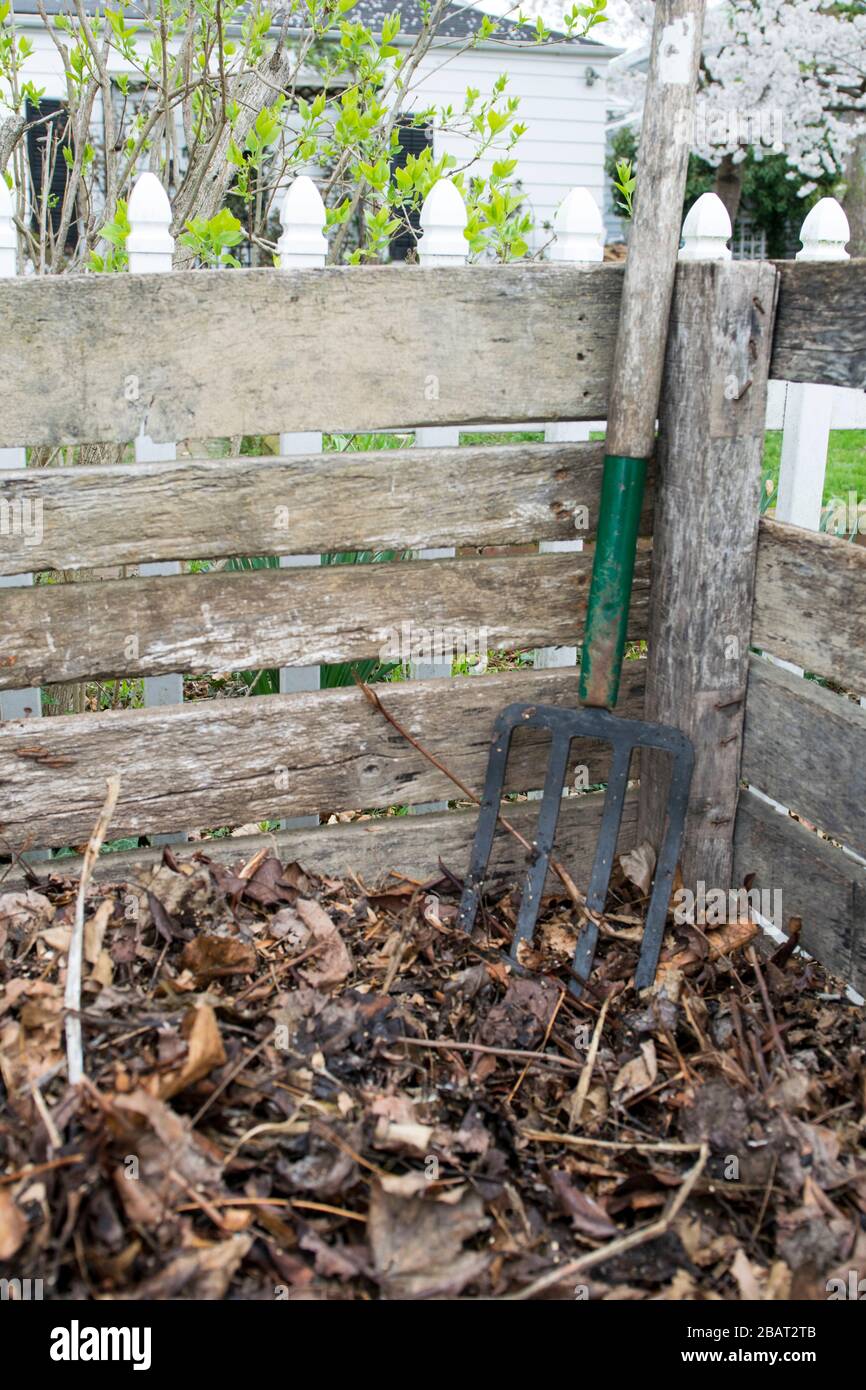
586,1075
584,1141
452,1045
72,1000
619,1247
547,1032
752,956
559,869
229,1078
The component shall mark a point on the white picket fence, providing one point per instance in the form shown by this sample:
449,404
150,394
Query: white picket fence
805,413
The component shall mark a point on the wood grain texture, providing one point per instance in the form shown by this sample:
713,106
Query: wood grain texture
229,762
654,232
810,602
817,882
710,451
410,845
290,617
821,323
394,499
805,746
201,354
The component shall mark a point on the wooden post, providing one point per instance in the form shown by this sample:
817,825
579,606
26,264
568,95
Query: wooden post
578,237
443,219
151,250
302,246
710,454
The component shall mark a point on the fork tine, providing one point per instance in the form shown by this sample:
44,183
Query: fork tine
678,800
545,832
603,863
488,813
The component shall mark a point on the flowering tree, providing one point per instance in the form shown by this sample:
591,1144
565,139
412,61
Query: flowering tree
225,103
787,77
778,77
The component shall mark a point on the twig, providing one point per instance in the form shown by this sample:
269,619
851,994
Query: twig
752,956
547,1032
583,1141
72,1000
35,1168
449,1045
619,1247
586,1075
397,956
234,1071
559,869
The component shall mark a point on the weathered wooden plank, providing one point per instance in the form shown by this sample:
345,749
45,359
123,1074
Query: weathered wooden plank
385,500
817,883
298,617
711,432
347,348
810,602
351,348
820,332
403,845
229,762
805,746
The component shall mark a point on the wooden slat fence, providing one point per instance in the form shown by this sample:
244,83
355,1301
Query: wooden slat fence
297,350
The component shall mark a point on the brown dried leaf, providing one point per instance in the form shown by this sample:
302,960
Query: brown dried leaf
13,1226
638,865
417,1244
638,1074
332,962
210,957
205,1052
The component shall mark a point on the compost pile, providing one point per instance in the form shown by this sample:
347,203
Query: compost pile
299,1088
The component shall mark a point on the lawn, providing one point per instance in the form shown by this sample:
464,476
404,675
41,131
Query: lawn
846,462
846,457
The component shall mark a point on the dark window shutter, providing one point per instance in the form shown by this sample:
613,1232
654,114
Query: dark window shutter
413,139
51,133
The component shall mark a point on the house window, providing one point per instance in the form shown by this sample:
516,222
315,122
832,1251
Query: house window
413,140
132,107
749,243
47,139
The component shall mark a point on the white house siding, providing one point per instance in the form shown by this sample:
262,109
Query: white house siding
564,144
565,118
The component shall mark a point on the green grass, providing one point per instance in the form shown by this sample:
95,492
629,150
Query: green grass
846,462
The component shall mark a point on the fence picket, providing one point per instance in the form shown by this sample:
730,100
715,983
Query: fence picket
808,407
26,703
150,246
579,237
443,219
302,246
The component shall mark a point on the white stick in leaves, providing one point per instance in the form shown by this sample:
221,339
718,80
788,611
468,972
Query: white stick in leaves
72,1000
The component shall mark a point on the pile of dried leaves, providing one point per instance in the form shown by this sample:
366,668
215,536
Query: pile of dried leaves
300,1088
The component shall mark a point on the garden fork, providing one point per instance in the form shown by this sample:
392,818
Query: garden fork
634,397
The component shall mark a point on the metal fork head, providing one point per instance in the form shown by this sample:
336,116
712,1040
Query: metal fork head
624,735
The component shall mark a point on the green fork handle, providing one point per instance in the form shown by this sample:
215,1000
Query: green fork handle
612,573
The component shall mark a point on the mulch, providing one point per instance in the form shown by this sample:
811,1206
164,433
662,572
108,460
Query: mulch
298,1087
